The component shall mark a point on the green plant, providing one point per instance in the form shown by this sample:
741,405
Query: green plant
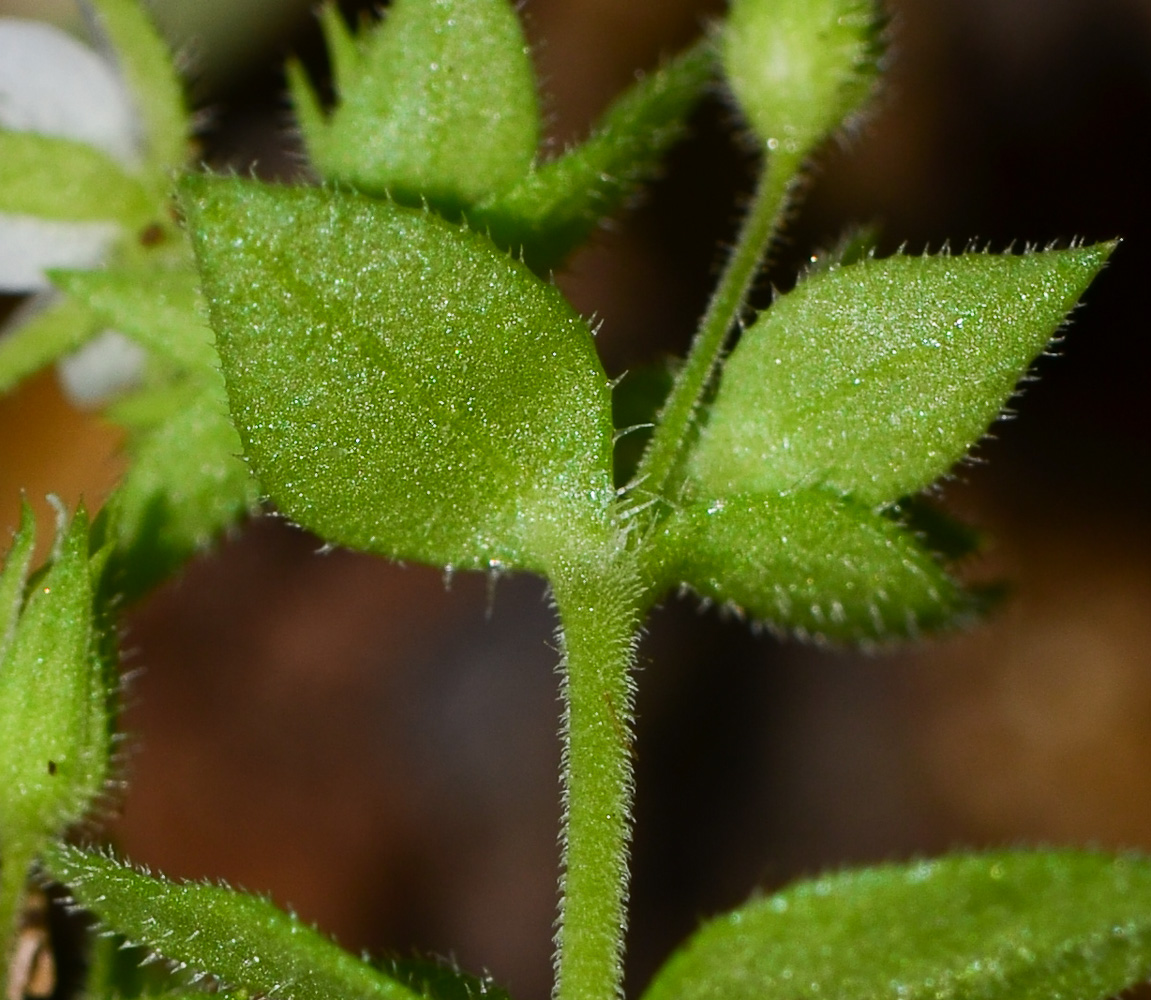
400,379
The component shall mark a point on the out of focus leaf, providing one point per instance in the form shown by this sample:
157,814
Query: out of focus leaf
1014,926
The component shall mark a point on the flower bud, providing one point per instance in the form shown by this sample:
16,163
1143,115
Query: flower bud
800,68
54,690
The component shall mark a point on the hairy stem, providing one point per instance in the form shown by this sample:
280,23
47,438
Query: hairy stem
674,427
599,621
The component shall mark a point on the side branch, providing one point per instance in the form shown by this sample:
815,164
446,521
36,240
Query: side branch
675,425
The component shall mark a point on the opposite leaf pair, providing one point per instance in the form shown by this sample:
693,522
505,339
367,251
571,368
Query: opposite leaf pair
446,406
983,927
864,385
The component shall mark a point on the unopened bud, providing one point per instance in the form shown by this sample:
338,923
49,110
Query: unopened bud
54,697
800,68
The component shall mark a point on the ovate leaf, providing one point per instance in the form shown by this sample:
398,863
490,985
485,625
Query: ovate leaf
875,378
1012,926
808,563
554,208
400,385
240,939
437,102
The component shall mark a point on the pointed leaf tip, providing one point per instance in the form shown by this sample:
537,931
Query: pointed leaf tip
242,940
873,379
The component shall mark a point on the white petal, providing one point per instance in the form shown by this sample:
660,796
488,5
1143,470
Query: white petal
29,245
103,368
51,83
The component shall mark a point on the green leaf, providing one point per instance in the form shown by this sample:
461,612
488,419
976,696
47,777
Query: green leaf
800,67
240,939
436,979
186,484
874,379
400,385
57,178
1011,926
158,307
45,334
556,206
439,105
53,701
810,563
145,60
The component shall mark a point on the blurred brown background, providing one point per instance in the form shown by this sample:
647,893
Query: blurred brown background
369,747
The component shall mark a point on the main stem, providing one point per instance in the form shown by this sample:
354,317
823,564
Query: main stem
599,609
599,622
674,427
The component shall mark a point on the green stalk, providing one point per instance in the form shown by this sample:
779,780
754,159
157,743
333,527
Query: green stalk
599,623
673,429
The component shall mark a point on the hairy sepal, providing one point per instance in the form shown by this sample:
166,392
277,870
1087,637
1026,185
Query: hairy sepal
44,330
54,700
158,306
186,485
800,68
57,178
